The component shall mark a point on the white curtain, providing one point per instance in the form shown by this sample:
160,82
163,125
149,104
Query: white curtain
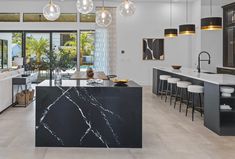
106,47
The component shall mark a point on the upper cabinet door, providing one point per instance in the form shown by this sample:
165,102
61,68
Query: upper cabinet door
229,35
229,17
229,47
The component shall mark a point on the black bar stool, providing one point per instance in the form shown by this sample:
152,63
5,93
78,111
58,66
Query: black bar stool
180,89
162,83
192,91
171,85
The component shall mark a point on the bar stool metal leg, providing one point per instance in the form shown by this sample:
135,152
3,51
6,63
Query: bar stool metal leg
181,98
159,87
167,91
200,102
176,96
171,94
193,101
162,88
189,97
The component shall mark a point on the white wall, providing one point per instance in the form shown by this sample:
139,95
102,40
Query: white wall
196,39
212,41
150,20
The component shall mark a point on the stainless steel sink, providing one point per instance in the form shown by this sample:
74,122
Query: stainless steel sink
209,72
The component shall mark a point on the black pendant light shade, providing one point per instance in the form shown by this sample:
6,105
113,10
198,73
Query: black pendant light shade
211,23
170,33
187,29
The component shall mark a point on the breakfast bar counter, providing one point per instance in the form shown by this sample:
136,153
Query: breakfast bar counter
220,121
77,114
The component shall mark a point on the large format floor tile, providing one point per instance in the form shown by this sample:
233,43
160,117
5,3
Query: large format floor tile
167,134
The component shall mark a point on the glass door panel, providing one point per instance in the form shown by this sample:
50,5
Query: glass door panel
37,46
87,48
1,55
5,53
16,44
64,45
11,47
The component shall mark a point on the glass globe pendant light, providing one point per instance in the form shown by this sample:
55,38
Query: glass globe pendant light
85,6
171,32
51,11
103,17
187,29
127,8
211,23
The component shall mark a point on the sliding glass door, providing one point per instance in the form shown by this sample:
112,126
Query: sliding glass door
37,46
10,47
87,48
34,46
64,45
3,54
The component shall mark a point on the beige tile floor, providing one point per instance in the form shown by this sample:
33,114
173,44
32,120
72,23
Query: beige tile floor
167,134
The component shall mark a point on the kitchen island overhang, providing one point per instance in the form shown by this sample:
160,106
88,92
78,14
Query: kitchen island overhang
79,115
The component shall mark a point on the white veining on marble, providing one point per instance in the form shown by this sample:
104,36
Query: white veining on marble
88,123
52,133
45,113
93,101
84,95
52,104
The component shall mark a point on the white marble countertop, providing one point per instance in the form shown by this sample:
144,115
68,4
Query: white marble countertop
220,79
11,74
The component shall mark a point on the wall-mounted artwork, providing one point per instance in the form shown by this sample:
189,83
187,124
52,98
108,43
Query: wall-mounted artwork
153,49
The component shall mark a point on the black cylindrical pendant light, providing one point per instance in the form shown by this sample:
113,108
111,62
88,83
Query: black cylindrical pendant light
171,32
211,23
187,29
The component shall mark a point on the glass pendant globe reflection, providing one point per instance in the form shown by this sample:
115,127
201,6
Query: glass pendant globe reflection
127,8
103,18
51,11
85,6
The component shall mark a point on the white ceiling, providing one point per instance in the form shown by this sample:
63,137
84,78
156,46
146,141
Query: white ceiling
110,0
204,2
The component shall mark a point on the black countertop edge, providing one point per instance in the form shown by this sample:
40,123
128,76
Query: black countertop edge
83,83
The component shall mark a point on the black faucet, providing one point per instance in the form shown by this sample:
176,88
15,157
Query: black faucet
199,60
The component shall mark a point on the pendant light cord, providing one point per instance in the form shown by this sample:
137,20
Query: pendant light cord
170,13
211,7
186,11
103,4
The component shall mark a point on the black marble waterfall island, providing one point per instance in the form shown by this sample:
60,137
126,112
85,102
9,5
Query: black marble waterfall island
79,115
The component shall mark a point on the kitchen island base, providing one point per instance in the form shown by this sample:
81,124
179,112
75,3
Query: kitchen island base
78,115
219,121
